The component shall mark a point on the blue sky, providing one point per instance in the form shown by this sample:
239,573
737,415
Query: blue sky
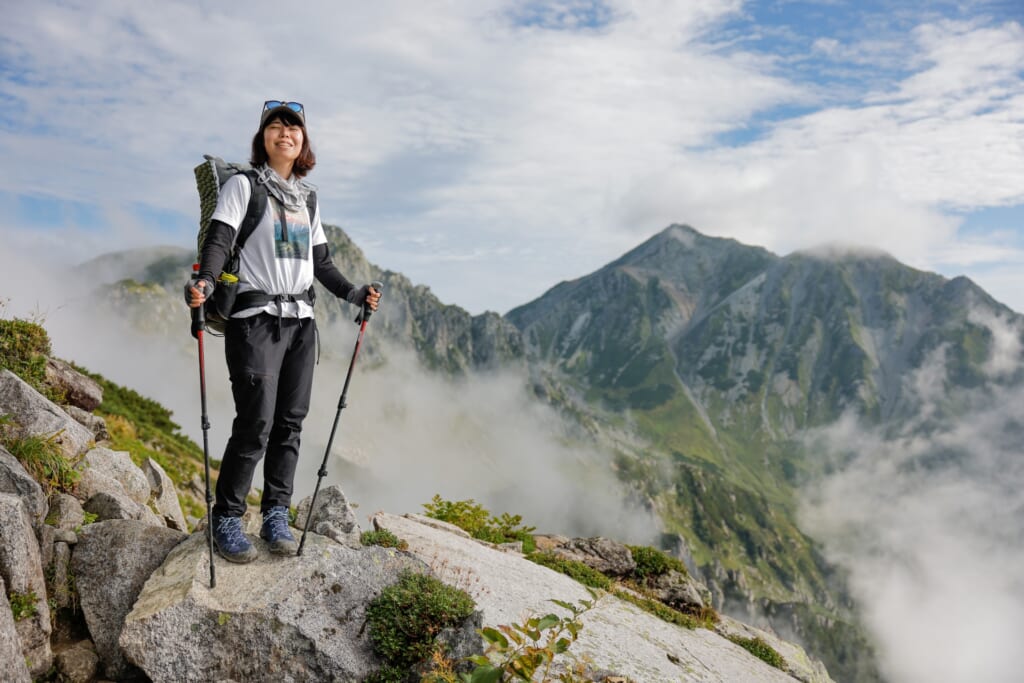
492,149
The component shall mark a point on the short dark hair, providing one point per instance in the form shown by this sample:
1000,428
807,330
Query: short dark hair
306,159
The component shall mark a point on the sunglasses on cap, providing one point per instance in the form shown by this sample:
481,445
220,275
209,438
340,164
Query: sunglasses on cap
271,105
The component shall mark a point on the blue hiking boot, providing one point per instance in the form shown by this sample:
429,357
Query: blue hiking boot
276,533
232,543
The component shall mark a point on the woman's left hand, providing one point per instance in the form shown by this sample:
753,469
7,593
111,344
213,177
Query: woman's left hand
372,298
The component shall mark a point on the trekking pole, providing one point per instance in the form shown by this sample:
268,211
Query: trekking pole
361,319
198,326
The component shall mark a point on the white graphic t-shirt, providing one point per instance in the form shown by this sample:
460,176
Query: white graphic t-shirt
278,257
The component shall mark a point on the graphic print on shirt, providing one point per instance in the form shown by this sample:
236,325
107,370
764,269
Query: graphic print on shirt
291,232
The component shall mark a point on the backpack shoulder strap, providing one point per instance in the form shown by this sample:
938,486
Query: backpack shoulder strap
254,212
311,206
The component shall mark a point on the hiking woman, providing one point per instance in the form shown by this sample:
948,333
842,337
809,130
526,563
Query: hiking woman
270,340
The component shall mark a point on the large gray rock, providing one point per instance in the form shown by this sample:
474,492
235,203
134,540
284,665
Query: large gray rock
616,636
603,554
16,481
275,619
100,466
12,661
165,496
111,563
58,583
333,518
680,591
22,570
35,415
79,390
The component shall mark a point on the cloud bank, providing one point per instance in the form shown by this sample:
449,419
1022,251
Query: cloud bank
930,524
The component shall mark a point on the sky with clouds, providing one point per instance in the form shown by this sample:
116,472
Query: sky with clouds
491,149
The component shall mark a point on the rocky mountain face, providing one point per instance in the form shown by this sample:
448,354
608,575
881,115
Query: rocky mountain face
105,577
721,356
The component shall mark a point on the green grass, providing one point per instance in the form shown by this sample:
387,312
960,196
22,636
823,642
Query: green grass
575,569
43,458
24,348
479,523
383,538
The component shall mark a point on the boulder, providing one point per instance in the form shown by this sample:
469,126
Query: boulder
275,619
165,496
22,571
94,423
33,414
107,506
78,663
79,390
102,465
333,518
606,556
18,482
12,661
616,636
65,512
111,563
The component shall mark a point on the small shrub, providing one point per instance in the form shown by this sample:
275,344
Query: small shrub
651,562
575,569
23,605
383,538
526,651
479,523
406,618
761,650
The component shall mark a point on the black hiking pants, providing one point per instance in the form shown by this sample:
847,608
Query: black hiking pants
271,366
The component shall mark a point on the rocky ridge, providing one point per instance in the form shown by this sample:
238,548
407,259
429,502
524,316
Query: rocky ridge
110,581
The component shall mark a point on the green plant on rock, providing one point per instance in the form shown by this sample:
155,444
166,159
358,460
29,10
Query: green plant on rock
575,569
383,538
406,617
43,458
23,605
761,650
651,562
526,652
479,523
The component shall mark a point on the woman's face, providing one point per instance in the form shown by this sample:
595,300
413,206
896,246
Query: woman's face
283,143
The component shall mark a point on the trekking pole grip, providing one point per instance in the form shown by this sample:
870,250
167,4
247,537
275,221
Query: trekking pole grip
198,313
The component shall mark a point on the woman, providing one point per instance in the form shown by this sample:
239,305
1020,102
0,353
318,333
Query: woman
270,340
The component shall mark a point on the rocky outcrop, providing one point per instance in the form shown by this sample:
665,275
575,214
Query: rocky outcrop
112,562
604,555
616,636
276,619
